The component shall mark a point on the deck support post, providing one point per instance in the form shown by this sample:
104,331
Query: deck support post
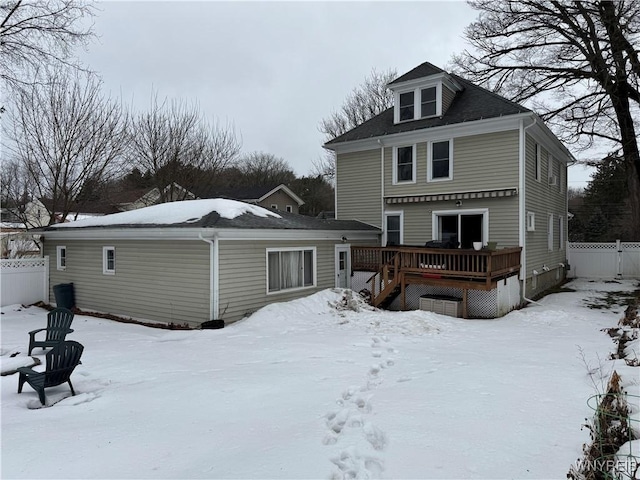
403,291
465,298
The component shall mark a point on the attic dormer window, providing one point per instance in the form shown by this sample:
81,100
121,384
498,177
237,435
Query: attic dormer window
428,102
419,102
406,106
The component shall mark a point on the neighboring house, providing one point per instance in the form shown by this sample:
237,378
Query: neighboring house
199,260
133,200
278,197
456,165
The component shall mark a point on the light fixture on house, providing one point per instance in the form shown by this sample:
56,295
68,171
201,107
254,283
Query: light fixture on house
344,239
458,203
545,268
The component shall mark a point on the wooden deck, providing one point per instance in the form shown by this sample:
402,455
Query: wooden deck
394,268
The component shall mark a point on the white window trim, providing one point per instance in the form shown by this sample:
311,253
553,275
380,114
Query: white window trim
438,87
552,178
393,213
289,208
476,211
395,165
430,159
417,102
59,256
560,232
105,270
538,162
531,222
291,249
274,206
550,233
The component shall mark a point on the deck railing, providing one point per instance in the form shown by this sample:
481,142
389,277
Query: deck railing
451,263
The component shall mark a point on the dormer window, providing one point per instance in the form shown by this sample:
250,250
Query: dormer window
419,102
406,106
428,96
428,102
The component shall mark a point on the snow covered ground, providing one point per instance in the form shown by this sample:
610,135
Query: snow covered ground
308,389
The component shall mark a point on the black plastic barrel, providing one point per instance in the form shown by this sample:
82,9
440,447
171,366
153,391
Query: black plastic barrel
65,296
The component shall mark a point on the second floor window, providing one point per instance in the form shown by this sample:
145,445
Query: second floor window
404,164
440,161
406,106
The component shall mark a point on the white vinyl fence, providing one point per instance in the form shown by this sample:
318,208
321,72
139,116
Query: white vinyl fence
604,260
24,280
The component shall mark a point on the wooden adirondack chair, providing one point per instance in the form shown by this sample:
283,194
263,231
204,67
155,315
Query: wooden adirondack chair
61,360
58,323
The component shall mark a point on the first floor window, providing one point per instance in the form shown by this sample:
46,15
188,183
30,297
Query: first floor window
440,165
550,233
61,255
108,260
287,269
393,229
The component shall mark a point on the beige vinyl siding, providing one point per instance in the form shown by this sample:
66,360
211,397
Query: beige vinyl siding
480,162
543,199
358,187
503,219
281,199
243,275
154,280
447,98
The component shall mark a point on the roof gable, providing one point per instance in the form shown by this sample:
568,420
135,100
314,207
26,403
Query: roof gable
424,70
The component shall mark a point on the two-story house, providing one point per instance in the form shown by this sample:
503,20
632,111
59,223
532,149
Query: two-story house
469,188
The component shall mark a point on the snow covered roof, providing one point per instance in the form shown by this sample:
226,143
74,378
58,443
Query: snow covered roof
209,213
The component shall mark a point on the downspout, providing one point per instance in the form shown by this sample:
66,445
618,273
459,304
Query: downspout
214,300
523,214
381,187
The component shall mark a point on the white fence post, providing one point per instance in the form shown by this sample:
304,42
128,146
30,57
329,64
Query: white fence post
619,259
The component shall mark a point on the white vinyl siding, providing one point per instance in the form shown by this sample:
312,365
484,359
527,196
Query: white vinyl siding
159,280
359,186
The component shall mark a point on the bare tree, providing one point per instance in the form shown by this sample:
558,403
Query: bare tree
576,63
64,134
264,169
364,102
179,148
39,33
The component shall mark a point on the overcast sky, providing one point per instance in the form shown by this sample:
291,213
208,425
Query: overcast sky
272,69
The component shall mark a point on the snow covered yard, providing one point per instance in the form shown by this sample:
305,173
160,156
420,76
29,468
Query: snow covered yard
307,390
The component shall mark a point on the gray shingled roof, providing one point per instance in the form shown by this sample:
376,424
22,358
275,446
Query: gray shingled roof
288,221
472,103
425,70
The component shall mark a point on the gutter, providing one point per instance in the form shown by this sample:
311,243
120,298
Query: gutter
382,206
522,197
214,280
